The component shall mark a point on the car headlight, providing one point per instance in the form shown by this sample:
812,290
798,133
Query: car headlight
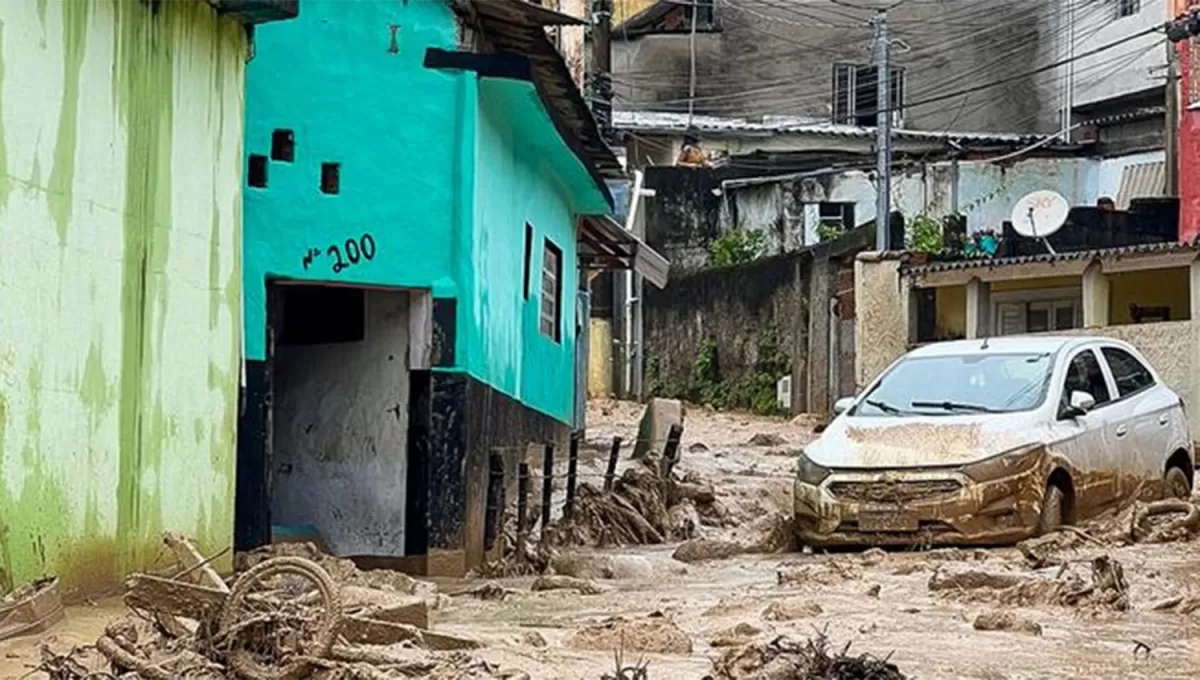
1008,464
809,472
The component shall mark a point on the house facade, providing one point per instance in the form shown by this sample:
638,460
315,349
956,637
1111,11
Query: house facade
121,281
423,187
1183,33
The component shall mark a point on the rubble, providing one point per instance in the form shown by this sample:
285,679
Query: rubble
1103,587
785,658
1006,621
655,634
700,550
557,582
284,618
30,609
791,609
766,439
741,634
824,573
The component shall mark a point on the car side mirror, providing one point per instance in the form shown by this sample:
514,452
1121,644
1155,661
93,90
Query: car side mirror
1080,403
842,405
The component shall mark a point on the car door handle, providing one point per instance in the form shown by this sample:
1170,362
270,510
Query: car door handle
1164,419
1122,431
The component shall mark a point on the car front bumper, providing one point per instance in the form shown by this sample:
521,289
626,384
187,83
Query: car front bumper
917,507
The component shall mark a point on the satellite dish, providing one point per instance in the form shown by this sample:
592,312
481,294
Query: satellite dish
1040,214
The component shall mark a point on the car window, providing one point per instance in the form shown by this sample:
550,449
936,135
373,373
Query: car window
955,385
1084,375
1131,375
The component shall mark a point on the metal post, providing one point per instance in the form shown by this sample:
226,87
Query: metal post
601,76
547,484
572,466
883,132
1171,133
611,472
522,498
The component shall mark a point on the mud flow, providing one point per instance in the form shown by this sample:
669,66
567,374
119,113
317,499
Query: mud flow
684,567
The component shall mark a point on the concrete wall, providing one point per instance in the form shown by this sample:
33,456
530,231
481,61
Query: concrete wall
1134,66
341,420
120,281
883,328
777,59
732,307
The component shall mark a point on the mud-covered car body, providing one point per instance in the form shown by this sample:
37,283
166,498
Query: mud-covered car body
972,442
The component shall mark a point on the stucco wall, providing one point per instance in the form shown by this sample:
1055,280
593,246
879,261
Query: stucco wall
120,281
882,302
1132,67
322,76
733,307
341,419
443,178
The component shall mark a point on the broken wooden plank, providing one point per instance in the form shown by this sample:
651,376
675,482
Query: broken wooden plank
445,642
363,631
176,598
193,562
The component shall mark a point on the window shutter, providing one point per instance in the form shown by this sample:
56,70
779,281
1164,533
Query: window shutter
1010,318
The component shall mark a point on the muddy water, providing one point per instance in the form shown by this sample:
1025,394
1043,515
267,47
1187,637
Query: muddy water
928,635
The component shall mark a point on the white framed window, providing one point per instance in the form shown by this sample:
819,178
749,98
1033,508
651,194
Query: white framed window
550,316
1037,311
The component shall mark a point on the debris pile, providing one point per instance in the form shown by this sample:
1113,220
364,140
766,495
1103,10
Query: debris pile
824,573
1103,587
1164,521
654,634
283,617
785,657
1007,621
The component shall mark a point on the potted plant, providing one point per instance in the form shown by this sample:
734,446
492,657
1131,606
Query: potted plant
924,238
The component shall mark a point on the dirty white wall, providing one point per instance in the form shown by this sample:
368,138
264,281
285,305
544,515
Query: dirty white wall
341,424
882,316
120,284
1134,66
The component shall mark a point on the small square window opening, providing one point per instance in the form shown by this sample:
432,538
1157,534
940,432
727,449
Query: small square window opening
283,146
257,173
331,181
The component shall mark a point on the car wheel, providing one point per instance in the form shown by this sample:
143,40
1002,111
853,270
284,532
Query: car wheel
1178,484
1053,502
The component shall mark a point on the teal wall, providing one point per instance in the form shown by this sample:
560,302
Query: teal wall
392,124
443,168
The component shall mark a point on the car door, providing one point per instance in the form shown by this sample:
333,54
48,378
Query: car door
1087,440
1146,423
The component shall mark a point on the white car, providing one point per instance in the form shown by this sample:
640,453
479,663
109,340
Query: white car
991,441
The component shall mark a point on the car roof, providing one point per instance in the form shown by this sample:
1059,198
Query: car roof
1039,344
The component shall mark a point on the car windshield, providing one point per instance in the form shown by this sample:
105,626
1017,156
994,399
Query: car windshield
957,385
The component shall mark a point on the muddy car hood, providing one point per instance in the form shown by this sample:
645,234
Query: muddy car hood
870,443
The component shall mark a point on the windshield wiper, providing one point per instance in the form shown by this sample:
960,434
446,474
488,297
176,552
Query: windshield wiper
882,406
953,406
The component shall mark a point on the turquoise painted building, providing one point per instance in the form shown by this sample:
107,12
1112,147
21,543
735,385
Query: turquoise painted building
423,190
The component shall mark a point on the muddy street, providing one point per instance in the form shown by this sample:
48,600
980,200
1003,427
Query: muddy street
1048,611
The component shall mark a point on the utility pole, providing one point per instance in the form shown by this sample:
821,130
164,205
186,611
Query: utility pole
1171,128
600,79
883,131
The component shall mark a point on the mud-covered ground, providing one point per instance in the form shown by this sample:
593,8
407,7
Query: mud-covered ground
881,604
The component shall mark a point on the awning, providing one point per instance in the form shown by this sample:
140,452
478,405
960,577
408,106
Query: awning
605,244
1142,180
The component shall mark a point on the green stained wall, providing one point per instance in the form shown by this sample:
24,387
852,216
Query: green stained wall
120,283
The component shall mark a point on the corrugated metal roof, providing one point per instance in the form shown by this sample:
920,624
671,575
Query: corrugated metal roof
1100,253
670,123
1142,180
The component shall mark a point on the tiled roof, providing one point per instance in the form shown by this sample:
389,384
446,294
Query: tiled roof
519,27
1100,253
